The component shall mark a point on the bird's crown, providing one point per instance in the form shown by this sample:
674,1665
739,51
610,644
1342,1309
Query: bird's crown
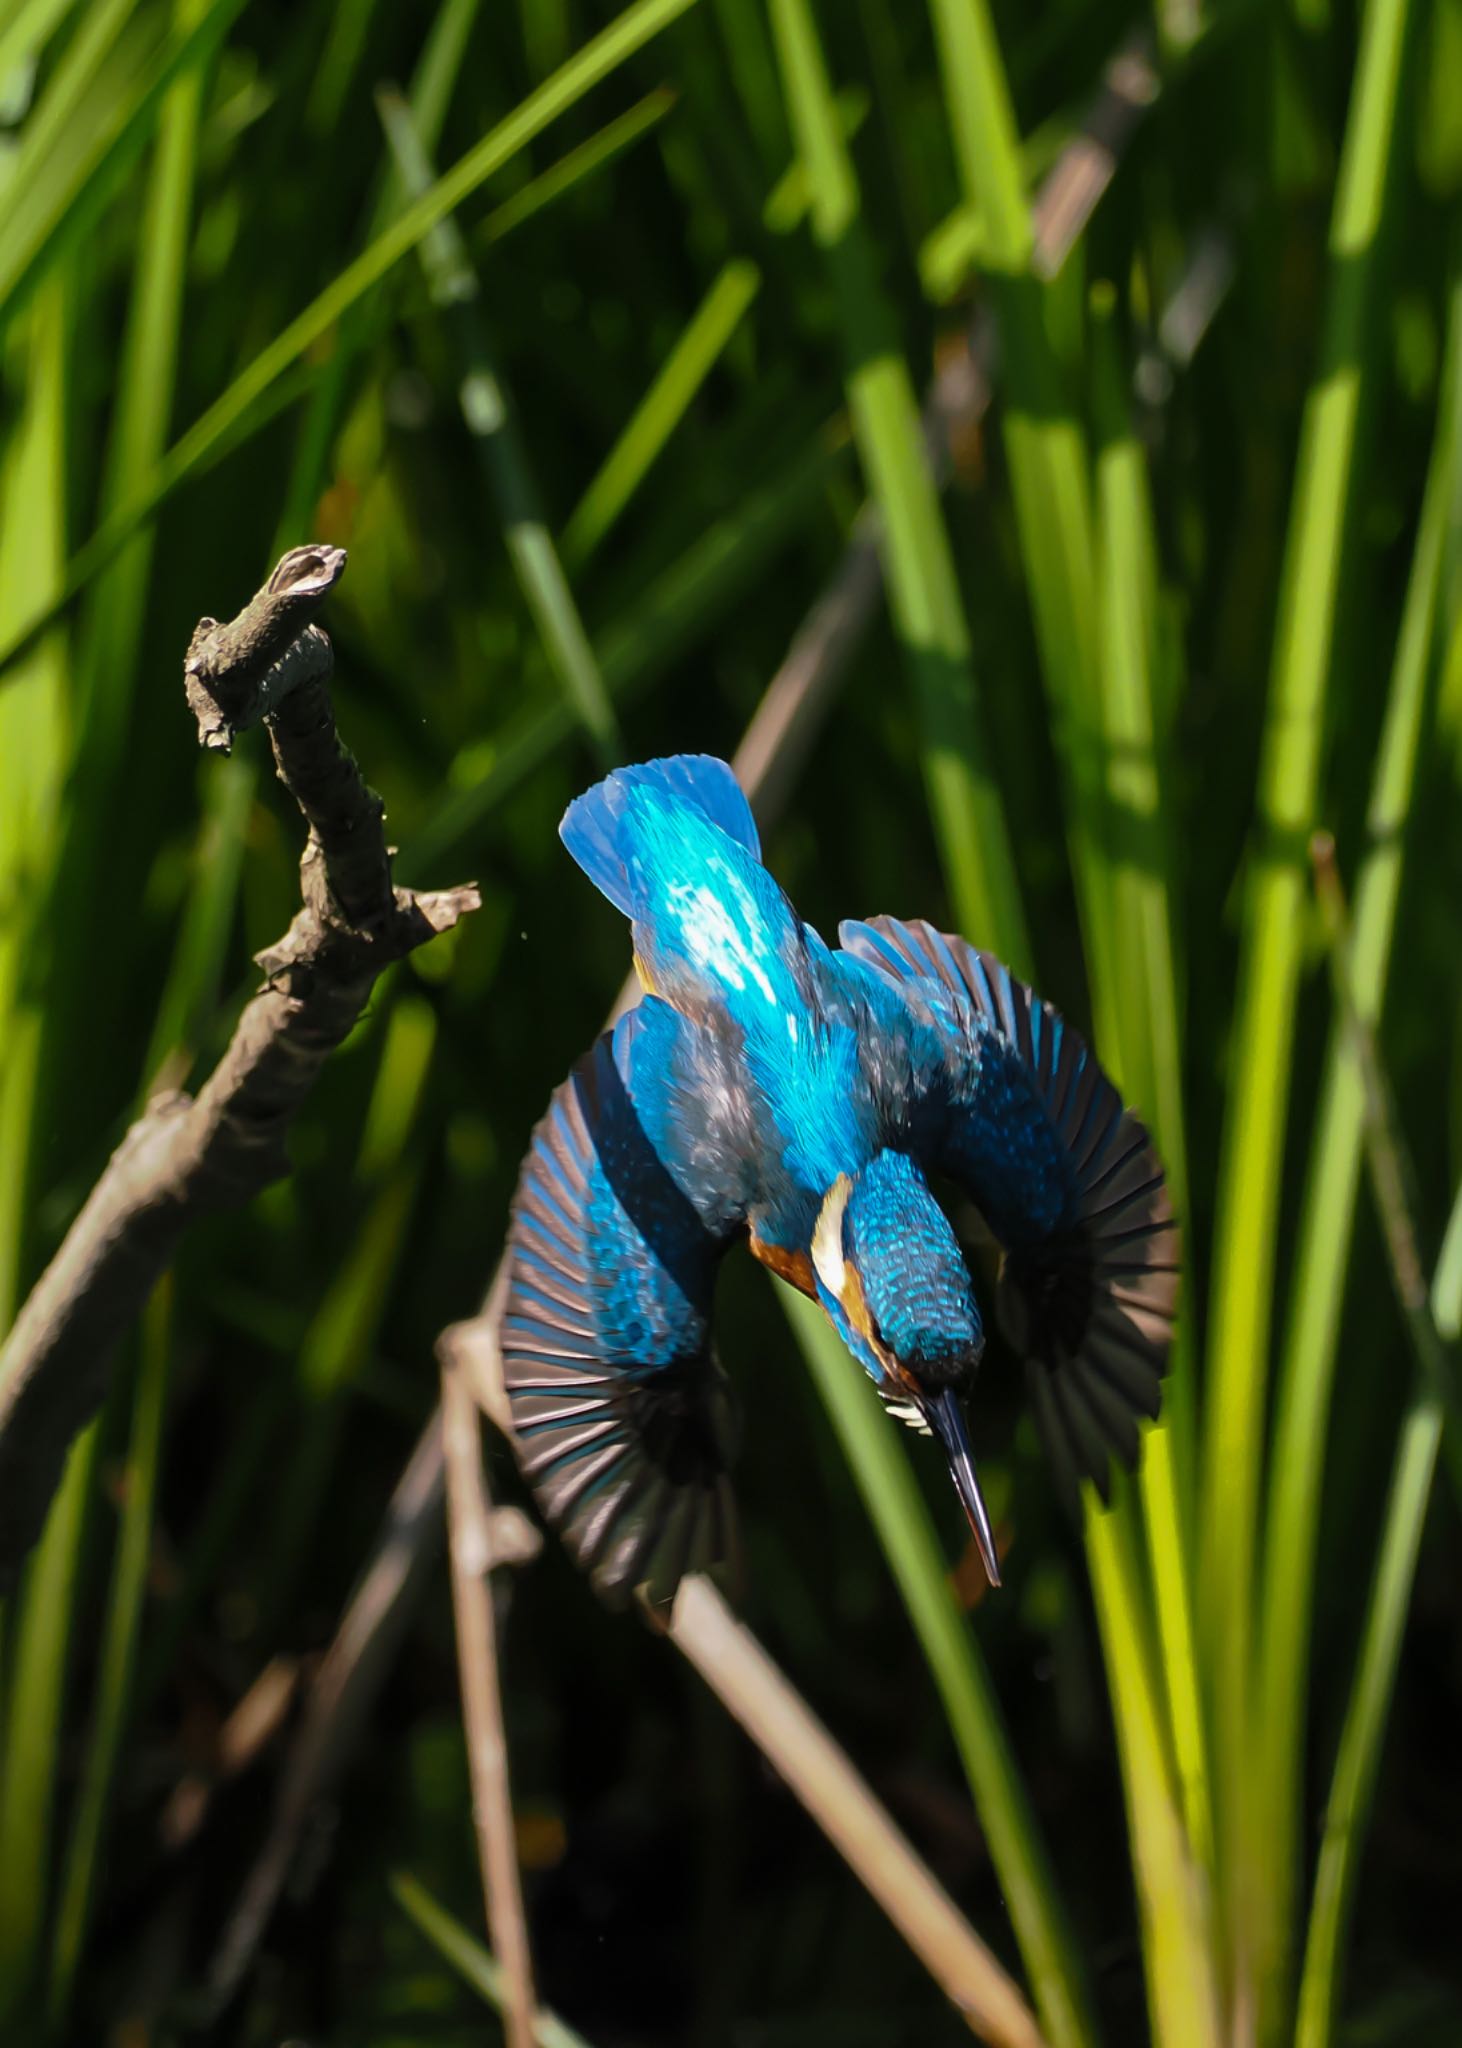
885,1249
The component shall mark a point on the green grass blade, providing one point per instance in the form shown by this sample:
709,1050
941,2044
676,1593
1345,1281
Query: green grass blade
474,1964
656,626
200,957
904,1528
594,63
53,214
1359,1755
488,413
335,74
34,749
1247,1229
338,1343
50,127
928,613
578,164
29,29
113,1690
38,1655
105,683
1362,1734
109,641
1328,1218
1148,1053
1049,463
1173,1895
789,200
661,409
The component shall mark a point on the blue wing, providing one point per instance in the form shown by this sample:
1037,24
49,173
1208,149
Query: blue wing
622,1420
1021,1115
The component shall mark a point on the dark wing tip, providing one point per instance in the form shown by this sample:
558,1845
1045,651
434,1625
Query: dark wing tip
1093,1308
626,1457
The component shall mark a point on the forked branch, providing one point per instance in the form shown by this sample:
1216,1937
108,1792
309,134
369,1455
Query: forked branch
190,1155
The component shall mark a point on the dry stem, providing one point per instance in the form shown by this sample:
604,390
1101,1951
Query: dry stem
187,1157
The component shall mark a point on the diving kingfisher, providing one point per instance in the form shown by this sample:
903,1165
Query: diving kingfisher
769,1088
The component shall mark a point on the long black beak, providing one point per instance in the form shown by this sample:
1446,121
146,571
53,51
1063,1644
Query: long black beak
947,1420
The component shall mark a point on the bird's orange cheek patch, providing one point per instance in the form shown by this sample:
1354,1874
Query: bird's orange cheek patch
855,1307
793,1267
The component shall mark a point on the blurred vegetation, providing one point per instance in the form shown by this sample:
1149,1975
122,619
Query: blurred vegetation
586,334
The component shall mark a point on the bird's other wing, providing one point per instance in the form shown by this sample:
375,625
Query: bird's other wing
622,1420
1022,1116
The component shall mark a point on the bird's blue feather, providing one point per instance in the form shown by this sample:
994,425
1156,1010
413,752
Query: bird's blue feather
911,1270
767,1083
593,830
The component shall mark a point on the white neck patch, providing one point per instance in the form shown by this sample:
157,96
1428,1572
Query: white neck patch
827,1237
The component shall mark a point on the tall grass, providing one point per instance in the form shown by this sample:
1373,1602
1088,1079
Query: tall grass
595,408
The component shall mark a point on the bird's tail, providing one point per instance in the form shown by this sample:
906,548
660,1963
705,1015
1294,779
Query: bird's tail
592,824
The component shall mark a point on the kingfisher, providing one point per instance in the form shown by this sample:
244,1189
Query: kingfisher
770,1089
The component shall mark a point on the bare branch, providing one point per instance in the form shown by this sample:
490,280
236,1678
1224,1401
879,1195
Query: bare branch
186,1157
469,1535
749,1685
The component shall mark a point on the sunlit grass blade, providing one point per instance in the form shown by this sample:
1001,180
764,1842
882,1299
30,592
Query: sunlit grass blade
661,409
34,746
589,67
1096,636
928,613
1147,1051
1046,448
1327,1223
1173,1896
789,199
474,1964
487,411
52,214
51,121
1247,1228
27,28
901,1519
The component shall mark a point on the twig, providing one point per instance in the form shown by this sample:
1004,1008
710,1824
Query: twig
249,1729
187,1157
468,1512
746,1681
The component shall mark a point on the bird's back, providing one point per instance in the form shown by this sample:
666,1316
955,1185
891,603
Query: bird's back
673,845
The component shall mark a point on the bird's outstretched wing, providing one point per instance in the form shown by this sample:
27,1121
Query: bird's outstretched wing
622,1419
1022,1116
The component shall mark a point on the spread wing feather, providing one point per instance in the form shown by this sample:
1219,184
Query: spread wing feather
1021,1114
622,1419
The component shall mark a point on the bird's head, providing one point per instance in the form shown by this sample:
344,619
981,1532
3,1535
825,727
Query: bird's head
893,1281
